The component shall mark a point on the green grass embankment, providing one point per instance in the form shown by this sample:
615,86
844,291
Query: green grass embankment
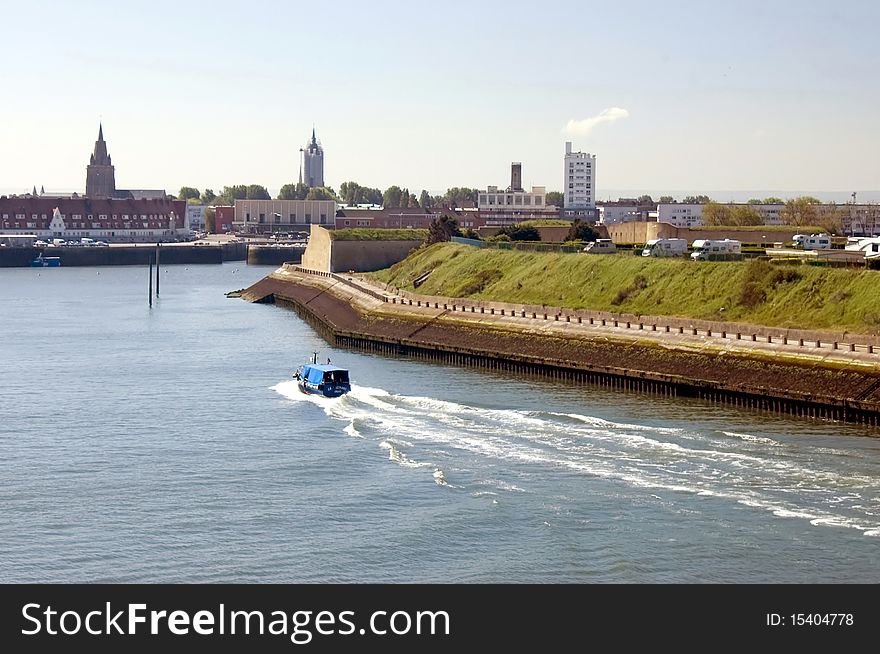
368,234
757,292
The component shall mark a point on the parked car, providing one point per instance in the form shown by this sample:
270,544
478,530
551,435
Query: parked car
40,244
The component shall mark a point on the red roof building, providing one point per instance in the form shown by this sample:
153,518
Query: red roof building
108,219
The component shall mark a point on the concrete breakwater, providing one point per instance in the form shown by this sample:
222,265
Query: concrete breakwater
127,255
350,314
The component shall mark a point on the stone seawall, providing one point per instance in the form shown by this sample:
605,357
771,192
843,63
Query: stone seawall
348,317
273,255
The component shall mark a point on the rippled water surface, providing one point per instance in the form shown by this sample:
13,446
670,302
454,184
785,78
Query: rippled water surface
169,444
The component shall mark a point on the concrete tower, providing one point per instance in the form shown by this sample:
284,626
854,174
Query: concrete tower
312,171
515,176
579,179
100,175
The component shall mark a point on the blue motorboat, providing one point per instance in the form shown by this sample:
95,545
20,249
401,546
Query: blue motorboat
322,379
46,262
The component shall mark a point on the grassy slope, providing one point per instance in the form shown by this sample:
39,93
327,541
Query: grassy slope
757,292
367,234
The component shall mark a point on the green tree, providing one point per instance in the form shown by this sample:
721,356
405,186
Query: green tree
352,193
554,198
520,232
696,199
442,229
799,212
257,192
425,200
211,220
666,199
391,197
297,191
645,200
755,201
744,215
187,193
772,200
715,213
230,194
208,196
832,218
320,193
581,230
458,196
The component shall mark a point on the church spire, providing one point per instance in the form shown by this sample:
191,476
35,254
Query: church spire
100,156
100,176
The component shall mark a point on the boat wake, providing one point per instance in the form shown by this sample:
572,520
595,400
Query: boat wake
481,444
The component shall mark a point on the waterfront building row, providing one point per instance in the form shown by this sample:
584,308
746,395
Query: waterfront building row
108,219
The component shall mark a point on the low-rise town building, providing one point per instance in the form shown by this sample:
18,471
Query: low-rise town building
269,216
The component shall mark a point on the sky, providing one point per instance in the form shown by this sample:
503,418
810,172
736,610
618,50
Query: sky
672,97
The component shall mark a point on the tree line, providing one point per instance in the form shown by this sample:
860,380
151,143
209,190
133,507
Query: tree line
350,193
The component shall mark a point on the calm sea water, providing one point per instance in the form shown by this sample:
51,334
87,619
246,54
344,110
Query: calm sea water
169,444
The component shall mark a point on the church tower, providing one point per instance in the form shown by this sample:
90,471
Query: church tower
312,171
100,176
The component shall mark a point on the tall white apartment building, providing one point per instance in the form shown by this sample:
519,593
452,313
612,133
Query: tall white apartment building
579,181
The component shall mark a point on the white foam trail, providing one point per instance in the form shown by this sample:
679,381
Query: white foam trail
503,485
783,478
400,458
752,439
351,430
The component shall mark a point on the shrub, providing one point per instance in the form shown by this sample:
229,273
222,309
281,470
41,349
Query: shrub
639,283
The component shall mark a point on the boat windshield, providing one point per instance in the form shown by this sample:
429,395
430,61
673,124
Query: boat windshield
336,376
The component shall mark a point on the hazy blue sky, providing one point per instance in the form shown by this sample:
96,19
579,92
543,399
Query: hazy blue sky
669,95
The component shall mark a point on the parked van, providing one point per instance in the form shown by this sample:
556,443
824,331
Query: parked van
705,249
58,241
601,246
665,247
812,242
87,241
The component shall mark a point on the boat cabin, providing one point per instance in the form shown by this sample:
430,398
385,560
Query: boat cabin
324,374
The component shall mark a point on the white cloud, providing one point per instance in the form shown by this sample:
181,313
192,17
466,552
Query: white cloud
585,126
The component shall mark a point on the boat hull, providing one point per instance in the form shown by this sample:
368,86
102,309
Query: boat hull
324,389
48,262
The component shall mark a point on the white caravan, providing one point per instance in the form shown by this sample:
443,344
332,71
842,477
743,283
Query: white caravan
665,247
812,242
869,245
705,249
